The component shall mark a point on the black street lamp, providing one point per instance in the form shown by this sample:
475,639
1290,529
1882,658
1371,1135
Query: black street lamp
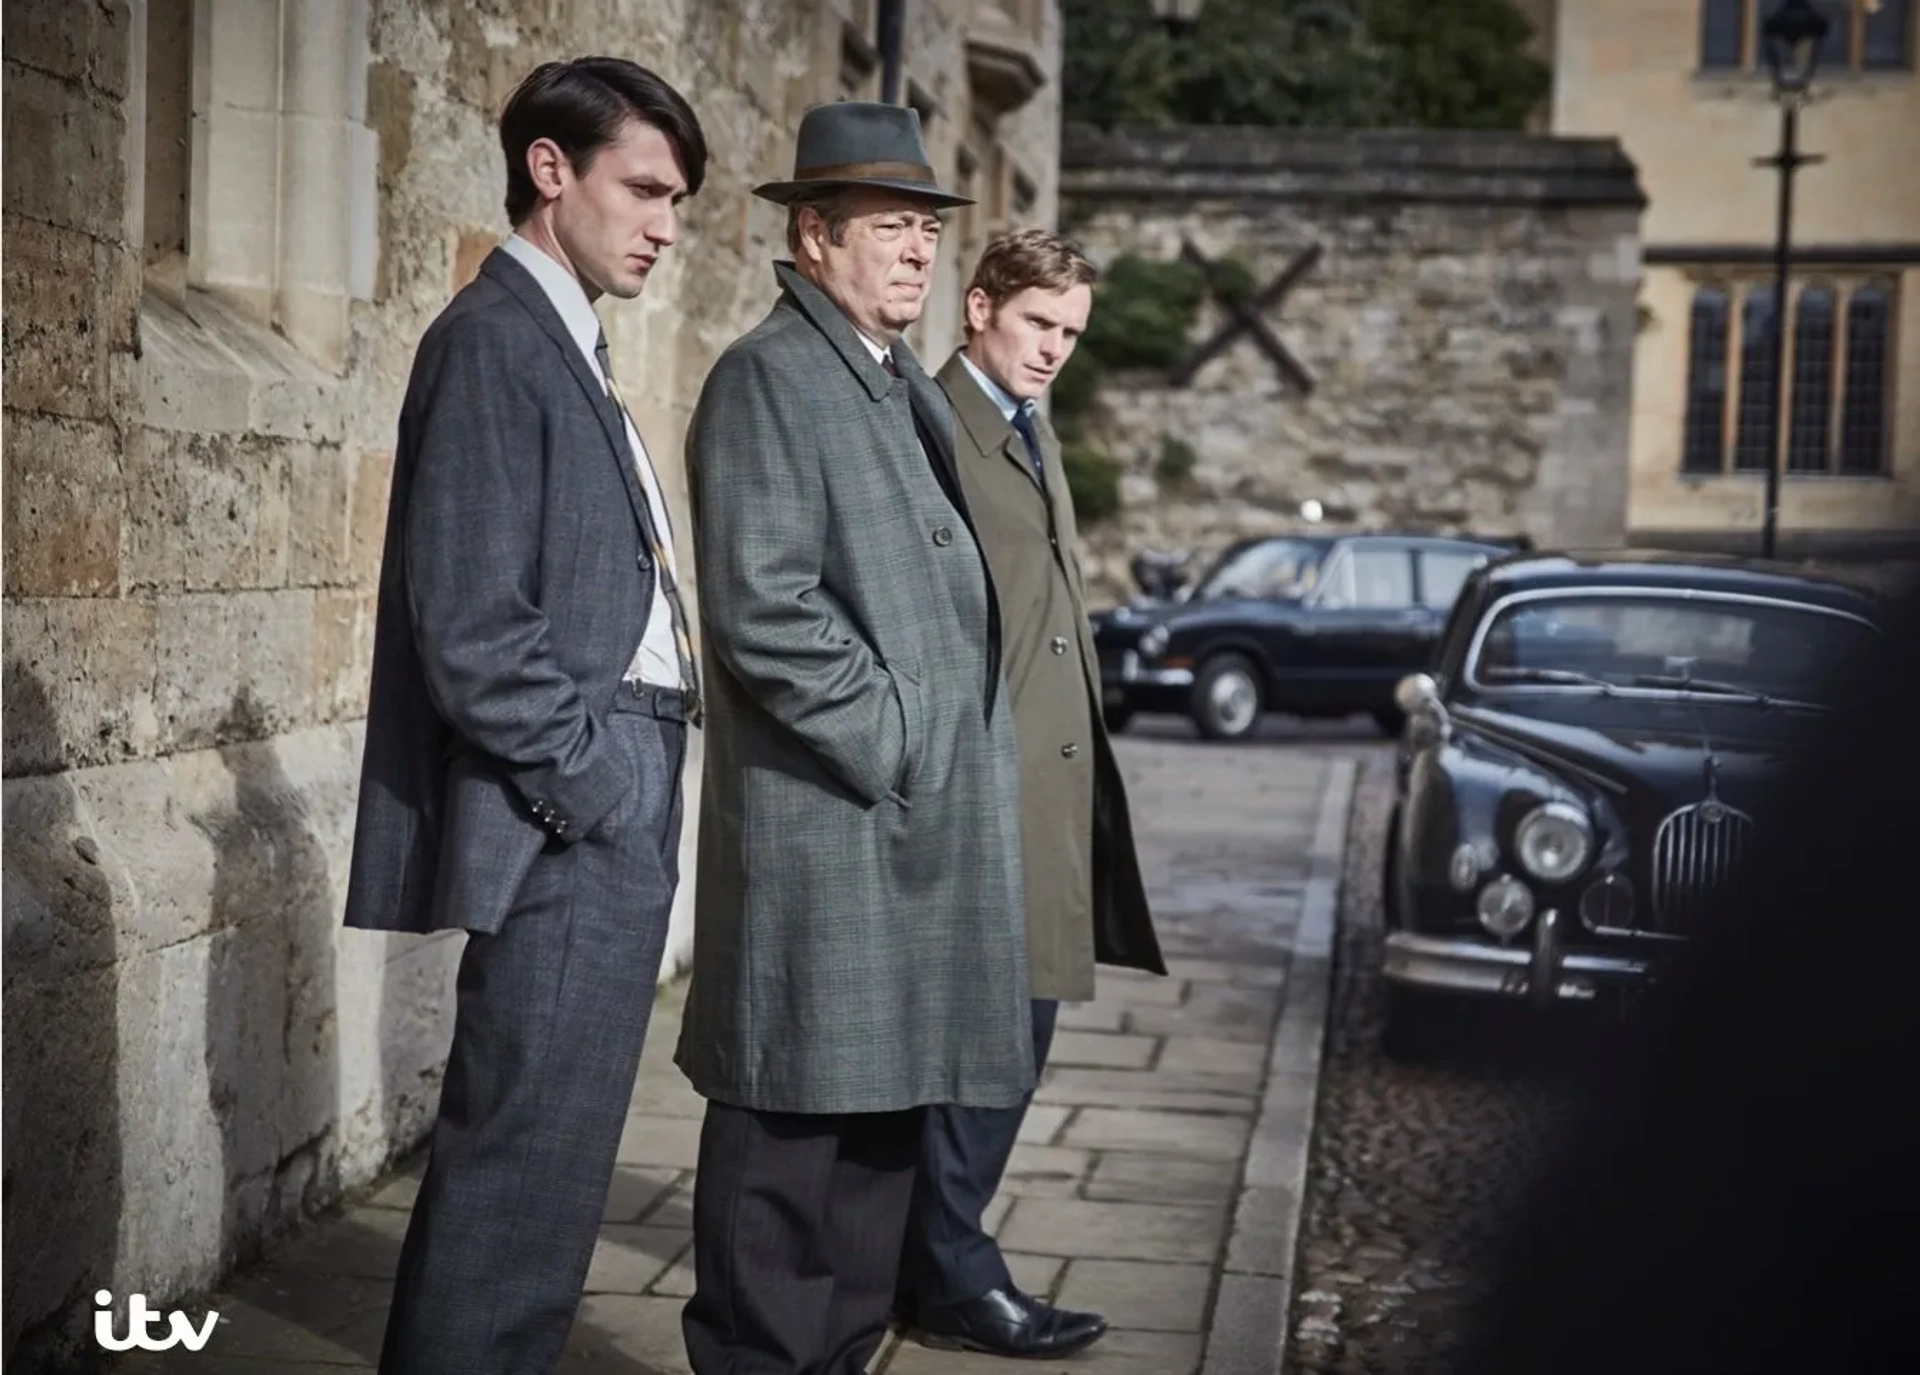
1791,38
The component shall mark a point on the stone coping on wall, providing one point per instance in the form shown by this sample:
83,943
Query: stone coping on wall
1416,165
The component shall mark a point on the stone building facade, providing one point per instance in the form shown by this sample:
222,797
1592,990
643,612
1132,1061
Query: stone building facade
1461,346
226,224
1686,90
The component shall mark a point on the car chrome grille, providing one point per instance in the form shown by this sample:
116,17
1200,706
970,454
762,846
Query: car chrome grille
1695,849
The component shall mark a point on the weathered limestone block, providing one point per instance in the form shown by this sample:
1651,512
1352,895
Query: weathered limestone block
56,145
79,682
233,666
207,512
200,1054
65,313
63,507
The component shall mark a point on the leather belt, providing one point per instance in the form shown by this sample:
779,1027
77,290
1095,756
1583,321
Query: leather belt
668,704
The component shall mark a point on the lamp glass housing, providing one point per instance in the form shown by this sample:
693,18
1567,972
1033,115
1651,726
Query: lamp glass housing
1791,39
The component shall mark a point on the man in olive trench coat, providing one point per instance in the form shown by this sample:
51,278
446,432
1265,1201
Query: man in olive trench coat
1026,307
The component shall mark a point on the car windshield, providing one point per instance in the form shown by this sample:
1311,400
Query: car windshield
1706,645
1279,568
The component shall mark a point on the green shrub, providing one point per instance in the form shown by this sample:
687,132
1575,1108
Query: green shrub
1175,465
1143,311
1094,480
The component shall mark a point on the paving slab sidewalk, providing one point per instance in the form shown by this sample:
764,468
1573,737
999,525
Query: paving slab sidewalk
1158,1179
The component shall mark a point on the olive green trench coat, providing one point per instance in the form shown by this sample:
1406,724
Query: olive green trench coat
1085,900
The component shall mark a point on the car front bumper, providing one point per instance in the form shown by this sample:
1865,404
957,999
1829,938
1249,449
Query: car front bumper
1541,971
1129,682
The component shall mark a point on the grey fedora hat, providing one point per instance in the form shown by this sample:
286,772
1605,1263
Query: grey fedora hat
860,143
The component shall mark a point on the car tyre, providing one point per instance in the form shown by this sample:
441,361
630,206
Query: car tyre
1116,719
1390,720
1226,701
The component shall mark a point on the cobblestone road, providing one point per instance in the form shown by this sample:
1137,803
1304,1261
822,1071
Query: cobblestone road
1411,1165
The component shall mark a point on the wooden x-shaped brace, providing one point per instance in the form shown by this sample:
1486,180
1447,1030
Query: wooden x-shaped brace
1248,317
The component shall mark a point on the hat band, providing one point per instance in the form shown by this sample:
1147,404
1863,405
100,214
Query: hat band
867,171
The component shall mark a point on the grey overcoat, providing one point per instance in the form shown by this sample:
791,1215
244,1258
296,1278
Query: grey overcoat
1085,899
859,943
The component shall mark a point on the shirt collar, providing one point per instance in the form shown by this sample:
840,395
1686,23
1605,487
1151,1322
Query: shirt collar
997,393
563,289
880,355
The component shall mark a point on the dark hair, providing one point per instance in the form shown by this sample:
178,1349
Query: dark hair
581,105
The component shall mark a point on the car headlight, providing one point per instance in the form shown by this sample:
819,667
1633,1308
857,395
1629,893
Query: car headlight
1154,642
1505,907
1554,841
1463,867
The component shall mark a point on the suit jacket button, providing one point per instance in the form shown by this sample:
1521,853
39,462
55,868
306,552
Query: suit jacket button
1069,751
942,536
1059,644
646,562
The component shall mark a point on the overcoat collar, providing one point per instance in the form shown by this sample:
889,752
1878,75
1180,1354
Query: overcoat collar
983,421
832,322
520,283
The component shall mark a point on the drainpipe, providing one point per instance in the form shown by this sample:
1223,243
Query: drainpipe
893,15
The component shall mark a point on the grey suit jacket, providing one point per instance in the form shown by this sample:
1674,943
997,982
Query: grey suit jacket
859,943
516,583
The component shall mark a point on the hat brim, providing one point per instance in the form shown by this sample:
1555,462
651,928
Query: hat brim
784,192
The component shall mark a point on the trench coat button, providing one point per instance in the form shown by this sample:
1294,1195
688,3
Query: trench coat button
1059,644
1068,751
942,536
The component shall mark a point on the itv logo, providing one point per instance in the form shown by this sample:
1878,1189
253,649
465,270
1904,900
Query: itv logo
140,1320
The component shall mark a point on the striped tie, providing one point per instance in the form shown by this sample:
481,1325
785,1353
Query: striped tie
669,585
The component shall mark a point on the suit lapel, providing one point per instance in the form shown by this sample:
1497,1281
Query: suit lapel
980,417
501,267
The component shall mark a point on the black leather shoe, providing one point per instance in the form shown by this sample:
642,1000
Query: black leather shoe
1006,1322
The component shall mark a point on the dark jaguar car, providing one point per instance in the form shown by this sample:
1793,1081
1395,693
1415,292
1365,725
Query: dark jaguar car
1312,625
1579,768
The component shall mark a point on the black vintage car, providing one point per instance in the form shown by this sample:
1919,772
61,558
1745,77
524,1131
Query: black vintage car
1311,625
1578,769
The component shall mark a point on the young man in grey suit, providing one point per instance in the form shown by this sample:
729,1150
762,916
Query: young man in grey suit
532,686
859,950
1026,308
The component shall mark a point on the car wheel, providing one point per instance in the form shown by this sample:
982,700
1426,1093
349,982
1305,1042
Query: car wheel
1226,698
1116,719
1390,721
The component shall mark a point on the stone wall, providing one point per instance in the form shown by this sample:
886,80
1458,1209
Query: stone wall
227,223
1466,332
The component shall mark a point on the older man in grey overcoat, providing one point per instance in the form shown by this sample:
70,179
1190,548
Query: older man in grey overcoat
859,939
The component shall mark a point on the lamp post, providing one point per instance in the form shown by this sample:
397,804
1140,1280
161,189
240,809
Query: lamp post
1791,38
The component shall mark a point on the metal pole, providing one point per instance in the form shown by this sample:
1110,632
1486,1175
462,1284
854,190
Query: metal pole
892,24
1788,162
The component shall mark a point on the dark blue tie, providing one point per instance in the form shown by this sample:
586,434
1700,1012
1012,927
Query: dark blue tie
1023,426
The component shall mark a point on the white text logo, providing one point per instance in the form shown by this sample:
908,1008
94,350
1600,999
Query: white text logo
140,1320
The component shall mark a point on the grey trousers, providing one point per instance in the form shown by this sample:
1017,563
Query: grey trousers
552,1014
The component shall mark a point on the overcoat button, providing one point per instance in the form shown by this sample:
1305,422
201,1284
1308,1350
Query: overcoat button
942,536
1059,644
1069,751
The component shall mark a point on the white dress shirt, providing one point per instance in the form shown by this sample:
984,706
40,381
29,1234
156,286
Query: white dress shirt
657,659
